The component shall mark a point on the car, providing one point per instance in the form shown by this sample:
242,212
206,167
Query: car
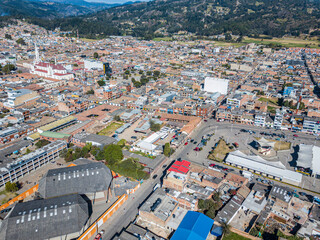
191,140
205,120
212,165
98,237
164,166
295,135
179,159
186,143
134,137
195,142
225,169
155,176
197,149
174,136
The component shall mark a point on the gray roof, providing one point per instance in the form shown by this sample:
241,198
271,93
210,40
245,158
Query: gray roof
82,179
45,218
94,138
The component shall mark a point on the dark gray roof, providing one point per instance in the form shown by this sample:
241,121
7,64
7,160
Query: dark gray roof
45,218
100,139
82,179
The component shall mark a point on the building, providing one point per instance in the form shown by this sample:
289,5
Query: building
260,120
49,70
12,171
309,159
216,85
53,136
90,64
227,213
275,170
12,133
92,179
21,98
82,138
62,217
195,226
278,119
311,125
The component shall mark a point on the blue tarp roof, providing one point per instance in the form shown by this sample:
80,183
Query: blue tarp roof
194,226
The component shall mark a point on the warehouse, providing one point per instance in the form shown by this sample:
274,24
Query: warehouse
275,170
309,158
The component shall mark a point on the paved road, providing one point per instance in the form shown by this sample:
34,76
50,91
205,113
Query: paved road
129,210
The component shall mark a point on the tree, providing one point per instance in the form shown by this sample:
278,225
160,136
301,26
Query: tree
8,68
90,92
167,150
101,83
8,36
28,151
113,154
225,227
122,143
41,143
11,187
20,41
154,126
96,55
117,118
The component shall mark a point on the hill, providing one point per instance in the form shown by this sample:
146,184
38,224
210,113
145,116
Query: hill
201,17
49,8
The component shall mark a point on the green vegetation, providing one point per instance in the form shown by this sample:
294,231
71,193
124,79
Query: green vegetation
220,151
96,55
101,83
122,143
292,237
117,118
11,187
155,127
6,69
90,92
210,206
273,101
130,168
283,42
41,143
110,129
271,109
144,154
167,150
8,36
72,154
234,236
20,41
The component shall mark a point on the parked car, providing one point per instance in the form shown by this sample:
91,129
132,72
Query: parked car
98,237
295,135
186,143
212,165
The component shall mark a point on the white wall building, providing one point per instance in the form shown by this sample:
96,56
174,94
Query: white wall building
91,64
216,85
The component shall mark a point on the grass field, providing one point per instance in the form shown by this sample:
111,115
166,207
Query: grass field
273,101
162,39
109,130
227,44
285,42
220,151
234,236
282,145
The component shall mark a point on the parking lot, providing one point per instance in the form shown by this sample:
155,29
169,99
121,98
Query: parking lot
232,133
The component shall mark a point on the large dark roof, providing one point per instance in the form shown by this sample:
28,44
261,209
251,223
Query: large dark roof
45,218
82,179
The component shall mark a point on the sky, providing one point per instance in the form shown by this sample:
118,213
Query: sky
115,1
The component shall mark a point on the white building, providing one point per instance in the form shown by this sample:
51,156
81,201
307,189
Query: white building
49,70
260,120
92,64
278,119
216,85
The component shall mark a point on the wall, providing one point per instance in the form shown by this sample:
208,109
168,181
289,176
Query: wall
94,228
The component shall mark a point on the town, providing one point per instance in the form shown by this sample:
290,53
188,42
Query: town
123,138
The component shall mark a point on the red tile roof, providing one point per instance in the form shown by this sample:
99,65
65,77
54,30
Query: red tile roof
180,167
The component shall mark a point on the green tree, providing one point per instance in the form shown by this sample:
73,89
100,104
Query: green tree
101,83
8,68
28,151
154,126
11,187
225,227
8,36
167,150
122,143
41,143
20,41
90,92
96,55
113,154
117,118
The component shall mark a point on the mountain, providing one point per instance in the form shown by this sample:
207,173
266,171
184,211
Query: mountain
49,8
201,17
